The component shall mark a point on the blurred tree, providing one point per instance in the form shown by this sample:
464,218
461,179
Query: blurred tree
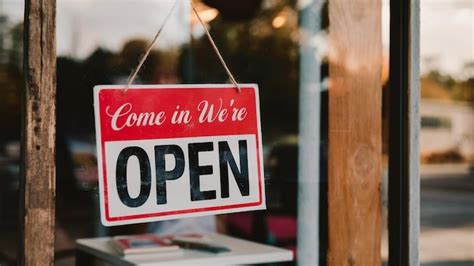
129,57
11,84
16,50
75,90
464,90
433,88
236,10
157,67
68,98
76,80
436,85
468,69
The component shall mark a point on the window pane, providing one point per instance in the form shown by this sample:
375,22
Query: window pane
266,42
446,137
11,84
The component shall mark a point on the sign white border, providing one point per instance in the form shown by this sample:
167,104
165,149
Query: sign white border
261,204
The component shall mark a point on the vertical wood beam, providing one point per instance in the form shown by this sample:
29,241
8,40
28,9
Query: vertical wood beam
355,138
38,134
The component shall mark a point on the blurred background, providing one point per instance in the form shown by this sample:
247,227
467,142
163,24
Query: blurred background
101,41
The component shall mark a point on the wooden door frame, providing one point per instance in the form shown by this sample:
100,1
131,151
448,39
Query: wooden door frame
38,143
38,134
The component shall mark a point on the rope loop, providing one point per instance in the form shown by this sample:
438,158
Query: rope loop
209,37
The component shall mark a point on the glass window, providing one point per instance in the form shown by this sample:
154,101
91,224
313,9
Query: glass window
11,84
446,137
322,70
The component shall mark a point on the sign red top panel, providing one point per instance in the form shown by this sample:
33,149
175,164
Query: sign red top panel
156,113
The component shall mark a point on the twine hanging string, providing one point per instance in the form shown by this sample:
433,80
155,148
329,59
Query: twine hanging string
209,37
214,46
150,46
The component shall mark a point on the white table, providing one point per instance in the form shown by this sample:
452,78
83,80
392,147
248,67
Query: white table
242,252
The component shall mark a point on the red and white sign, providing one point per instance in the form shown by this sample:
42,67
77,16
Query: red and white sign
175,151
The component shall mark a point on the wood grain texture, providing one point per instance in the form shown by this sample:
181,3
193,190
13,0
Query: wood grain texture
355,137
39,122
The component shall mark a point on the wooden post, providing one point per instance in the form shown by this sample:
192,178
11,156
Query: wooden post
355,170
38,134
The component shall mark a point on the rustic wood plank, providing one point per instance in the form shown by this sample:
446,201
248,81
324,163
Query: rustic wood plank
38,133
355,149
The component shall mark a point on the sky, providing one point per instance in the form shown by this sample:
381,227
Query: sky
447,33
83,25
446,29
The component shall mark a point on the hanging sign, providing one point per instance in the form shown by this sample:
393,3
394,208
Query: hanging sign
175,151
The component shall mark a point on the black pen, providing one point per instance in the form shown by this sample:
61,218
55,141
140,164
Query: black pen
199,246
